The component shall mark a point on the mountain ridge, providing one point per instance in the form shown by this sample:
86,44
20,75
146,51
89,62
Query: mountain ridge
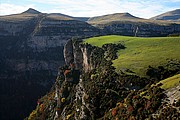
113,17
173,15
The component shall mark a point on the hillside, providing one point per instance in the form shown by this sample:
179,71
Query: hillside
141,52
89,88
66,17
169,16
172,86
170,82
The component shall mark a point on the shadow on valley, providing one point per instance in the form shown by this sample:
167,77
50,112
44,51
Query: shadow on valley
20,91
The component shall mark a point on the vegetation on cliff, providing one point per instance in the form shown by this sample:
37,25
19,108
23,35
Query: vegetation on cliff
102,93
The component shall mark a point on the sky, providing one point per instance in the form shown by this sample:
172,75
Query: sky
91,8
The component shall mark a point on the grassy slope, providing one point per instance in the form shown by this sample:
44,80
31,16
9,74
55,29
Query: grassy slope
170,82
17,17
141,52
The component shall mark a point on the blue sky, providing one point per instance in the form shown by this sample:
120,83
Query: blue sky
90,8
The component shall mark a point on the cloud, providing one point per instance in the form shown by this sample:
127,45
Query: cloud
6,9
139,8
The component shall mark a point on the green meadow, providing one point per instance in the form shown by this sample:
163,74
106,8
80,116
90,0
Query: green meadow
141,52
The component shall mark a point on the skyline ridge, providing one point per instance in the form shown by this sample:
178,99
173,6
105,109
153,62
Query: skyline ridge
126,14
91,8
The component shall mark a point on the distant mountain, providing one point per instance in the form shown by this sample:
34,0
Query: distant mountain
112,17
67,17
170,16
129,25
32,11
59,16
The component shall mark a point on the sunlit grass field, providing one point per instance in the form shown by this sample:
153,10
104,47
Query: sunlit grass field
141,52
170,82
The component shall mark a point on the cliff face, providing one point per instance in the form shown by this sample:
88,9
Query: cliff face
53,33
80,54
140,29
31,48
17,27
39,37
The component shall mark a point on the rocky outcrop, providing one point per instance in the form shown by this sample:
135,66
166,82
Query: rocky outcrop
86,52
68,52
87,57
80,54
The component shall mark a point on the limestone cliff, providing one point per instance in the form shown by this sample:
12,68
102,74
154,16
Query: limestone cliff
31,50
40,36
80,54
140,29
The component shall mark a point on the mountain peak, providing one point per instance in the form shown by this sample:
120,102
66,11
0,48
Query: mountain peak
113,17
127,14
32,11
124,15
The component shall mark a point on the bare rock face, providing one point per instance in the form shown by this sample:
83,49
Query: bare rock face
68,52
19,27
79,54
39,36
86,59
73,54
